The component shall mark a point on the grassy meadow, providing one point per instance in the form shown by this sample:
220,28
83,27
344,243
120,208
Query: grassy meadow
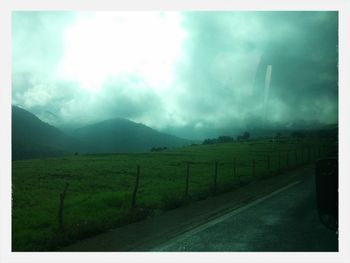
100,186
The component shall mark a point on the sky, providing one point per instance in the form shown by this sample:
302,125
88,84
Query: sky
192,74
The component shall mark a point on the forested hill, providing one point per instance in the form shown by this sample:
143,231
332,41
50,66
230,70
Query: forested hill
122,135
33,138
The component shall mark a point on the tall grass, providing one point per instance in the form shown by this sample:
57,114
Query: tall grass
100,187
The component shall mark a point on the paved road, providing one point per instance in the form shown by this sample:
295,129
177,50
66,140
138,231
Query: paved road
285,220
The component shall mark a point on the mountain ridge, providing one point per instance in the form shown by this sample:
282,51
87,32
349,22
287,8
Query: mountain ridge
34,138
126,136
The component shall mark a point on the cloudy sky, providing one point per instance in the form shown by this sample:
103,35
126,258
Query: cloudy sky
188,73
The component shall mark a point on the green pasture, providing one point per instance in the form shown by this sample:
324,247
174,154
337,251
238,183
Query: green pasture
100,186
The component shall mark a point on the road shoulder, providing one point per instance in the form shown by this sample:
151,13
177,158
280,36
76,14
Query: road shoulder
150,233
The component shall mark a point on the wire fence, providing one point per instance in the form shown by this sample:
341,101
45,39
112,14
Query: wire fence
203,178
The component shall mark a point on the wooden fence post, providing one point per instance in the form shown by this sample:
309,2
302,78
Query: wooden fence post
279,161
253,168
315,153
133,200
234,168
187,178
302,155
60,212
215,176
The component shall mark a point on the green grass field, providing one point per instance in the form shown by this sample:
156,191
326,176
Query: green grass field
100,186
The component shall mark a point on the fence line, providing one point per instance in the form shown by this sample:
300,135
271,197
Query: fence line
215,176
187,179
234,168
239,163
133,200
61,206
265,166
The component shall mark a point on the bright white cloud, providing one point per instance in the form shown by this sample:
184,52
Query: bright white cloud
103,44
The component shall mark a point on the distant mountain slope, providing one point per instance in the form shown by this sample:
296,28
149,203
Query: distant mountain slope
121,135
33,138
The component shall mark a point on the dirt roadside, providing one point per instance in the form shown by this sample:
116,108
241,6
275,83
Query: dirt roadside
144,235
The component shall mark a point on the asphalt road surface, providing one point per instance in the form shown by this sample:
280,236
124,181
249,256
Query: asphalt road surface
285,220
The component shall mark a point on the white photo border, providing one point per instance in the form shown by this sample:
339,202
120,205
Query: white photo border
6,7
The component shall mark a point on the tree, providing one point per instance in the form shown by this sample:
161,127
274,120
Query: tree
298,134
158,149
246,135
278,135
210,141
225,139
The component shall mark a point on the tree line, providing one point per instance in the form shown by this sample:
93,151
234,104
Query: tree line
226,139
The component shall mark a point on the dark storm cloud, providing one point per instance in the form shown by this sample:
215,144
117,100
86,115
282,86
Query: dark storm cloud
219,83
305,75
300,46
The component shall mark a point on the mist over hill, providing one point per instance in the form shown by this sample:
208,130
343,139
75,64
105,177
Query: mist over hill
121,135
33,138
